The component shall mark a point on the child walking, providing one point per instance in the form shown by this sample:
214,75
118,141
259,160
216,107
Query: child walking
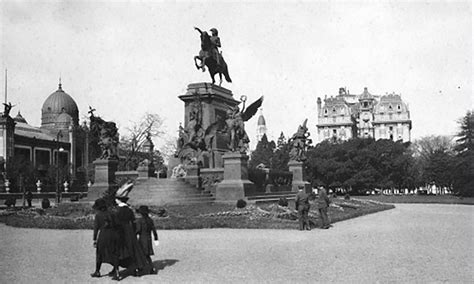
144,228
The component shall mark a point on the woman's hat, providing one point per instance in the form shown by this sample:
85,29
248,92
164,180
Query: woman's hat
99,204
143,209
124,190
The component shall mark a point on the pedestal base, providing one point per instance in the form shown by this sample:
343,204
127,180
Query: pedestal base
235,185
232,190
297,169
104,178
192,175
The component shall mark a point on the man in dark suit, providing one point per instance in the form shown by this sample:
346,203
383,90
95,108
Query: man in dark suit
302,206
323,204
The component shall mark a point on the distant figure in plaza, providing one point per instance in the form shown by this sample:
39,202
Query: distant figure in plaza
29,197
323,204
131,254
302,206
210,56
144,229
106,239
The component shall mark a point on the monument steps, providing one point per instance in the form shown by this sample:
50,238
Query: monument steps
159,192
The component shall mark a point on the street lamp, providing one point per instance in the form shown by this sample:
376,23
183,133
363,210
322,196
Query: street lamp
58,182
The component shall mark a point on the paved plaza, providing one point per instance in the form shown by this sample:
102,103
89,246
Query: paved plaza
412,243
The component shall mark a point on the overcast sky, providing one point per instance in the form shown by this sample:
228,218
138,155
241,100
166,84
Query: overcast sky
130,57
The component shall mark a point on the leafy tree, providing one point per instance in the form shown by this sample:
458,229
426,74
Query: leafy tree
263,153
282,141
360,164
464,165
433,157
439,168
281,156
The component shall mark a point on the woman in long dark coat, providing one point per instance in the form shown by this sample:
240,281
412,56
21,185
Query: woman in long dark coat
131,253
144,229
106,239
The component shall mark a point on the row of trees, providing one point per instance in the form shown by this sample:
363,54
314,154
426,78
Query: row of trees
361,164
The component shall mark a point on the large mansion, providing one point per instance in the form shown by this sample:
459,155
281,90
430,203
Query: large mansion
365,115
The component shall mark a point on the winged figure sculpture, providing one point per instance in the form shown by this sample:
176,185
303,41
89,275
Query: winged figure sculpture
235,124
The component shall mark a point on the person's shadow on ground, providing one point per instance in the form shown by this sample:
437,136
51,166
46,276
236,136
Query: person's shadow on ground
161,264
157,264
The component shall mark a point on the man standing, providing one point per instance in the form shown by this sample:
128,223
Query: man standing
323,204
302,206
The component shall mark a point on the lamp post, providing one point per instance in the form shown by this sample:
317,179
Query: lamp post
58,182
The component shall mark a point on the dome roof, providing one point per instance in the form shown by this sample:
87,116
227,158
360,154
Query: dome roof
261,120
57,103
366,95
19,118
64,118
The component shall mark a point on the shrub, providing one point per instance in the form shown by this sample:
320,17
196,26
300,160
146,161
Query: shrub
45,204
347,196
10,201
74,198
162,212
241,203
283,202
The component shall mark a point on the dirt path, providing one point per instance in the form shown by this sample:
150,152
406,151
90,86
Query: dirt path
412,243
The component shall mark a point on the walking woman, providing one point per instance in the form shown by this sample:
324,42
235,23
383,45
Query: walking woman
106,239
144,229
131,253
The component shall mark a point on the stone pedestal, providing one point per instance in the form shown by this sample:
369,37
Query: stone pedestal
146,170
104,178
213,101
192,175
297,169
235,185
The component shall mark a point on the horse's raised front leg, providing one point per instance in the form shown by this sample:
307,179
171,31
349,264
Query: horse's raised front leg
203,63
195,62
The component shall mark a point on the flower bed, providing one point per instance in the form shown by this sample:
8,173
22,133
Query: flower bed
195,216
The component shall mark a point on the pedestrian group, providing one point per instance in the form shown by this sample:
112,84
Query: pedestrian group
120,239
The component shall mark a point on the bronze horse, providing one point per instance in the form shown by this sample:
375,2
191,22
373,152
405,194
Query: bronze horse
207,60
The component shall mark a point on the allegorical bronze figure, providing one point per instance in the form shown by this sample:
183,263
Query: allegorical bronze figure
210,56
299,143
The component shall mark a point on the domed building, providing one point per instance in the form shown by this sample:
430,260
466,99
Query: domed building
58,141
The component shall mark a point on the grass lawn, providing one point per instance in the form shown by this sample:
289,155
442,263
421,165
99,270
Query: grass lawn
195,216
443,199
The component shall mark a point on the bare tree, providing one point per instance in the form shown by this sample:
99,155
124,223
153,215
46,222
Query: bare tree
428,145
149,127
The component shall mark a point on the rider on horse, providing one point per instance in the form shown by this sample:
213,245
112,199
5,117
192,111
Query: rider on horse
216,44
214,48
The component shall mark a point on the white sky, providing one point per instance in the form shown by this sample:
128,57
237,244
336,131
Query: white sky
130,57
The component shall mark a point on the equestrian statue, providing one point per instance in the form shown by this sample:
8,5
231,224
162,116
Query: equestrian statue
210,56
